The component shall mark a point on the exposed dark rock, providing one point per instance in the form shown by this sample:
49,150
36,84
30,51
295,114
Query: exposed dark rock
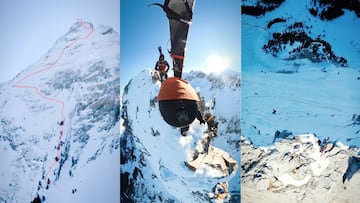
287,71
127,150
316,50
36,200
260,8
282,135
356,119
250,166
253,10
276,20
353,167
126,187
331,9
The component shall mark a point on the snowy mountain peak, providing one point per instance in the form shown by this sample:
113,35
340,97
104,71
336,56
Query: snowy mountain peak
81,38
59,120
77,30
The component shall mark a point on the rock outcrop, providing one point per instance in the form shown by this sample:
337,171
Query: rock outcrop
208,157
295,170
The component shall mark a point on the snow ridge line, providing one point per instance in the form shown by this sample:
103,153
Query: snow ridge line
61,103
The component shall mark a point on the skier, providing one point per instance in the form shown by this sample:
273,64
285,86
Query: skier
162,66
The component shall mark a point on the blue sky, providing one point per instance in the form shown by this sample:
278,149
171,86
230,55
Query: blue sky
30,28
213,40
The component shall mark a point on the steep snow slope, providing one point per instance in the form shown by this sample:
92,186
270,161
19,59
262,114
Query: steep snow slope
153,153
62,163
304,68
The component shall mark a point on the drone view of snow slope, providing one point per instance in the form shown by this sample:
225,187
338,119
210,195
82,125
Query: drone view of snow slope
300,70
153,154
86,79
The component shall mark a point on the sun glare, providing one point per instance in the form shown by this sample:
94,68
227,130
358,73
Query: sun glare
216,63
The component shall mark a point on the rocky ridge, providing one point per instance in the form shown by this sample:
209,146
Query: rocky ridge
297,170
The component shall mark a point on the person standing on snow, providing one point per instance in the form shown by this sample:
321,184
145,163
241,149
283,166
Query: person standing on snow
162,66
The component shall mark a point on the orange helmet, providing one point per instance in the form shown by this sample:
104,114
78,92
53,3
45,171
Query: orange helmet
178,102
177,88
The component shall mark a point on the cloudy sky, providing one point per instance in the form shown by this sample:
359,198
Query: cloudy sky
30,28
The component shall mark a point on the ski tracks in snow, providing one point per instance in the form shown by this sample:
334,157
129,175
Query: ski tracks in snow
54,100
